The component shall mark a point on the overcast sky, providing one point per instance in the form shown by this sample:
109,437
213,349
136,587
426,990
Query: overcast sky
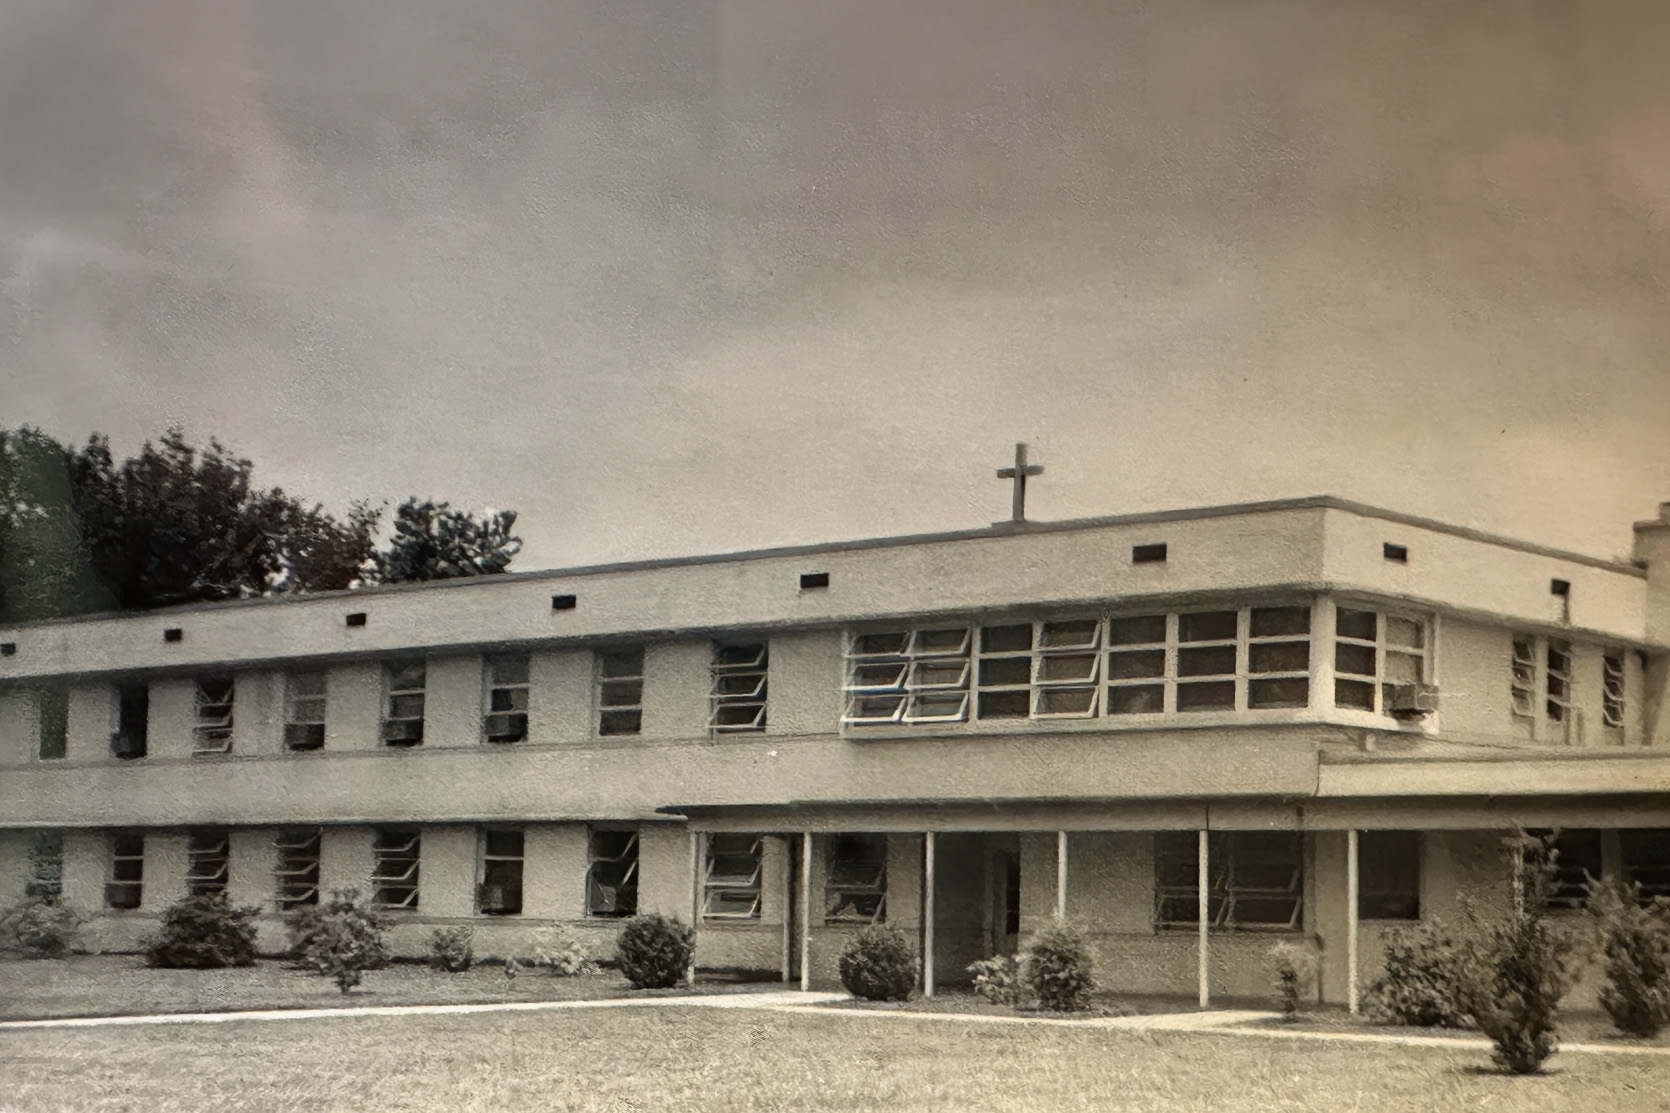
677,276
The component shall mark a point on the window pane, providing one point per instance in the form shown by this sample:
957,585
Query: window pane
1216,661
1076,667
1404,632
1139,630
406,677
1006,670
1137,663
1354,693
889,644
619,722
1292,692
1215,696
504,843
510,670
1140,699
1067,701
941,641
1279,657
621,662
1357,624
1067,634
1276,621
1005,705
1207,626
1358,660
997,639
1389,869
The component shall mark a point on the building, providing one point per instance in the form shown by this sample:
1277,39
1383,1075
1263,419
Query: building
1332,712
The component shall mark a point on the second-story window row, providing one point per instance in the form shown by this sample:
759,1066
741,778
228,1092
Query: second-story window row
1081,668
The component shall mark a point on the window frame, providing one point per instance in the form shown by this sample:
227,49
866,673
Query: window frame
298,703
299,858
513,693
1229,855
597,860
391,847
44,878
131,737
212,731
491,862
838,895
115,844
51,706
1614,689
406,729
723,891
208,860
1369,888
619,695
739,686
1382,681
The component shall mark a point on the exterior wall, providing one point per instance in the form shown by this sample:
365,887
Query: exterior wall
1474,672
89,722
803,695
19,727
453,698
561,704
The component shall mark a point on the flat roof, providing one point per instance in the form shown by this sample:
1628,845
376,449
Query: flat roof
996,529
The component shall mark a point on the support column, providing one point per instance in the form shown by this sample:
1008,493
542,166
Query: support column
927,914
1203,888
805,911
1352,883
788,908
696,872
1060,876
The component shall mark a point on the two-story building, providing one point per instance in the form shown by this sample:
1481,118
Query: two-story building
1328,713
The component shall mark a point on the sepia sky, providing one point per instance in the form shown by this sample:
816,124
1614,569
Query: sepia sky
676,276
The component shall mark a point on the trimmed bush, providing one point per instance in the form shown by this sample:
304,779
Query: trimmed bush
1424,979
997,979
879,964
1294,966
1523,969
1057,967
1634,948
452,950
204,932
341,938
556,949
41,927
655,951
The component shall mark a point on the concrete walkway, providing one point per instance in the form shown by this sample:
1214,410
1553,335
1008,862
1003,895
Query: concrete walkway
1222,1022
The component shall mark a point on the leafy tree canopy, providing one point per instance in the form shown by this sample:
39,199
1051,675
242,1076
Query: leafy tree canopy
177,523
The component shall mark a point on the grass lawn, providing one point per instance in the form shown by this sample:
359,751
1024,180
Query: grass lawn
105,985
693,1059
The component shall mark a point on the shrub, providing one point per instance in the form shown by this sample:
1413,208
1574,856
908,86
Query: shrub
879,964
997,979
1294,966
452,950
655,952
556,949
1057,967
1635,951
204,931
41,927
1423,983
1518,968
341,938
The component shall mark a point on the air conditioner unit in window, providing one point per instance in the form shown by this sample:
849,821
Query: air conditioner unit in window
1413,701
494,900
126,745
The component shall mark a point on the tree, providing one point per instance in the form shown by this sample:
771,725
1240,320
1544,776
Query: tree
434,542
44,567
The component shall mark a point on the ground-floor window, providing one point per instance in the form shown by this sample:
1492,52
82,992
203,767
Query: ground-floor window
46,867
1389,875
855,886
1255,880
731,880
395,856
124,885
612,879
208,862
501,873
1575,861
296,878
1645,857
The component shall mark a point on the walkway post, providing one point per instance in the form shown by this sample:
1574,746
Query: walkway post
1060,876
1352,882
696,878
927,914
788,908
805,911
1203,887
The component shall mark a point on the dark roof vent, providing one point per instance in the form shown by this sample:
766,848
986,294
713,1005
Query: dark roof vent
1559,587
8,649
1398,553
563,602
810,581
173,634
